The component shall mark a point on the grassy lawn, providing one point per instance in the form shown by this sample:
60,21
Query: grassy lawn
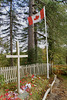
39,85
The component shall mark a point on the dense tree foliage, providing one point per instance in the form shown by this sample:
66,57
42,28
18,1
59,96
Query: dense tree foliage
56,24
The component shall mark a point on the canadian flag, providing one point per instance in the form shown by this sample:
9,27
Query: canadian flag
37,17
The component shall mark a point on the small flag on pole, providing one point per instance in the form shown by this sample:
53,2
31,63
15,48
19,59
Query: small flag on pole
36,18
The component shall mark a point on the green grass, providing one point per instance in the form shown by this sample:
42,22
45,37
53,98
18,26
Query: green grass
1,91
37,90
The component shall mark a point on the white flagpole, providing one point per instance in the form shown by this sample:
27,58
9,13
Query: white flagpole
46,43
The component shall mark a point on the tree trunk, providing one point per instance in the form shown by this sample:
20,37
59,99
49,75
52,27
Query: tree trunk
35,39
11,32
31,55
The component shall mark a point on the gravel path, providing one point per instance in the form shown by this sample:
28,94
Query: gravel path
59,92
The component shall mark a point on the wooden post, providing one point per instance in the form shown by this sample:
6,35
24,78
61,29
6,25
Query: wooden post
18,69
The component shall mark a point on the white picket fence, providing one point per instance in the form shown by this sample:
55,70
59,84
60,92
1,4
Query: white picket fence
10,73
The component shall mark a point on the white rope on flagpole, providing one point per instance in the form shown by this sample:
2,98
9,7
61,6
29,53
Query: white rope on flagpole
46,43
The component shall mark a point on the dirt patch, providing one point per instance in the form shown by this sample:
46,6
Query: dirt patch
47,86
59,91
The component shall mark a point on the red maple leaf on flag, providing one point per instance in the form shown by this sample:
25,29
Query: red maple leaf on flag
36,17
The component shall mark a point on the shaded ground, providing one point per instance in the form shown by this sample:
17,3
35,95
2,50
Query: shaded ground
59,91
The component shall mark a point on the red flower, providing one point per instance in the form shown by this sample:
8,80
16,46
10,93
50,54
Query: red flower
32,85
22,87
26,75
30,93
7,90
23,79
32,79
9,98
32,76
20,81
6,94
1,96
4,99
27,89
29,82
23,82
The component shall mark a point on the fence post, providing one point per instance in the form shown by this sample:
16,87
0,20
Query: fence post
30,70
26,69
37,69
9,73
34,69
